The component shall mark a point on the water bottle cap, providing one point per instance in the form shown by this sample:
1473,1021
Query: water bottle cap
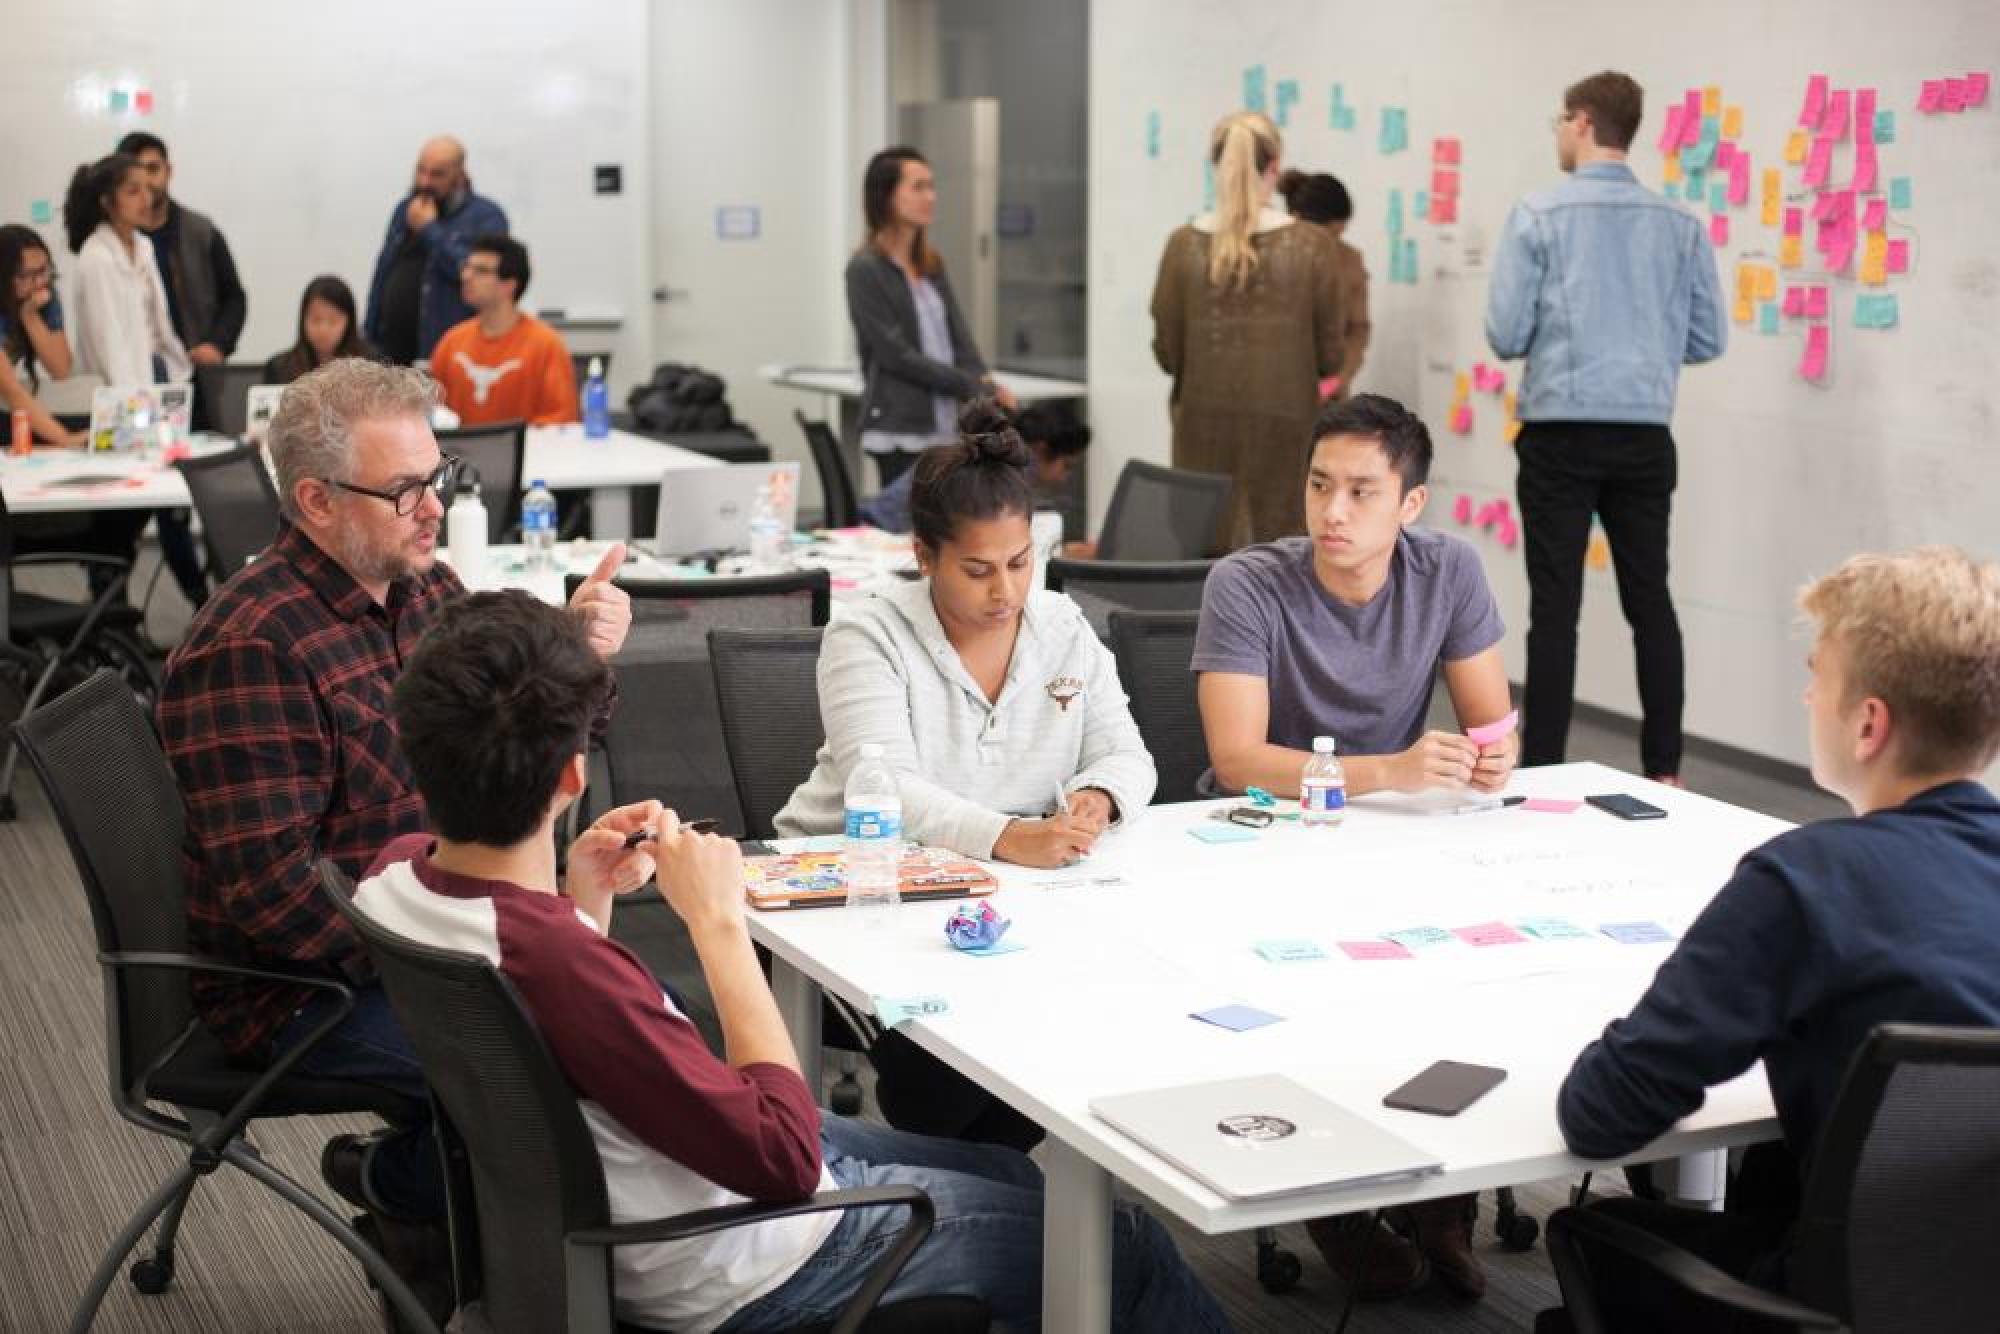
596,367
538,482
1323,745
871,750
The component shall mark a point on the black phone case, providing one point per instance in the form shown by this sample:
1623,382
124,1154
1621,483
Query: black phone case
1412,1096
1610,804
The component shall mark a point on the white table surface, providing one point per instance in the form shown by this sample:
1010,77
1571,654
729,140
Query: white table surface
845,382
559,455
1099,1001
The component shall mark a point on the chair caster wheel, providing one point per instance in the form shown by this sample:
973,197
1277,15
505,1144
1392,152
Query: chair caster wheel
153,1275
1278,1270
1517,1233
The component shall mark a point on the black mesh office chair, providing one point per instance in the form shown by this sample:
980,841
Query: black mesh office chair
115,797
498,455
222,395
238,505
766,685
544,1234
1897,1218
1161,513
1101,587
836,484
1153,649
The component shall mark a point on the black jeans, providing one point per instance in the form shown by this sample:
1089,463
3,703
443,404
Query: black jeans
1623,473
895,462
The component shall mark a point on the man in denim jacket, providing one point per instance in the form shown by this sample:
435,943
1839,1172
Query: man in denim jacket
1607,289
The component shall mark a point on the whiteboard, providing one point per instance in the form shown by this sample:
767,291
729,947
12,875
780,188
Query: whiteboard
1779,479
295,127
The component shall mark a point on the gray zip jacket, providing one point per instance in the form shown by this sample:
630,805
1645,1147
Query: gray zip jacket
966,767
898,379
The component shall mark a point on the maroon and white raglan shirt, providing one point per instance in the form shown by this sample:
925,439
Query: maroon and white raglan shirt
676,1128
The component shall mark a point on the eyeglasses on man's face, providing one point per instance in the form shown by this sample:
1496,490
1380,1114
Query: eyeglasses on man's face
408,497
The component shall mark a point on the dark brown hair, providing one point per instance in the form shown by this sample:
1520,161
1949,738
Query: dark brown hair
1315,198
982,475
16,243
878,190
336,293
93,183
1615,103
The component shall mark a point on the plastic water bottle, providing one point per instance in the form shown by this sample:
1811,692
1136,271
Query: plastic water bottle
465,530
538,526
874,837
769,543
596,402
1323,787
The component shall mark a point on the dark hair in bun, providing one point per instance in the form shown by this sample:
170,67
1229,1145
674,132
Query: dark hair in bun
1316,198
983,475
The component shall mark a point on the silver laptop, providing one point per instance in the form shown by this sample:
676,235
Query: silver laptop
1263,1136
709,509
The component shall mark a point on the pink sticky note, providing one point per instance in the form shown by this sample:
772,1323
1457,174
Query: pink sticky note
1461,509
1691,117
1812,365
1489,933
1810,113
1817,161
1444,183
1725,154
1718,229
1975,89
1795,302
1507,534
1899,257
1816,303
1932,95
1876,216
1953,97
1833,125
1550,805
1489,514
1865,177
1444,208
1374,949
1795,221
1489,733
1445,150
1461,419
1739,179
142,101
1670,136
1502,507
1864,116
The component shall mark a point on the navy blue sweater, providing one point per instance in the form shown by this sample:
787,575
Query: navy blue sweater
1821,934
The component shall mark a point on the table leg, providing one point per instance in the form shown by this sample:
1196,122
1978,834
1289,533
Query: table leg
610,513
1076,1242
1702,1179
799,1006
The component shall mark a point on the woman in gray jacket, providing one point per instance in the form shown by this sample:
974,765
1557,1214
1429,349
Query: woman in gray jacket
917,356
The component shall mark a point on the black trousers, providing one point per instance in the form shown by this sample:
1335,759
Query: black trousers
1623,473
895,462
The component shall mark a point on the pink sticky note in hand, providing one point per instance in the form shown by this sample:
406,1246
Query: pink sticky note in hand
1898,257
1374,949
1488,733
1551,805
1489,933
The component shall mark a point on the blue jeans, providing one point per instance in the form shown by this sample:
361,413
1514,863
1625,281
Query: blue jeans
987,1241
369,1047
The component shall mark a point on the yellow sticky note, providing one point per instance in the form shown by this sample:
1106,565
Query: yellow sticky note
1510,431
1671,171
1791,252
1795,146
1873,274
1711,101
1746,282
1598,555
1741,313
1767,283
1732,123
1773,197
1461,388
1507,402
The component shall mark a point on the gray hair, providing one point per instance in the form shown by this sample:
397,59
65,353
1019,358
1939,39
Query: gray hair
312,434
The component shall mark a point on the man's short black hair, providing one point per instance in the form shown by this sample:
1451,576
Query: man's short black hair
501,693
1054,426
139,142
513,257
1401,433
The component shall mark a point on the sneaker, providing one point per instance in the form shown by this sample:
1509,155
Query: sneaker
1444,1234
417,1250
1371,1258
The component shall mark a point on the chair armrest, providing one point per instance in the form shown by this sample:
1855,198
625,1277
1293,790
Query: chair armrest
71,558
1580,1230
922,1214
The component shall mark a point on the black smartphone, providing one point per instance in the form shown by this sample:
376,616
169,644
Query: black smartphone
1626,808
1446,1089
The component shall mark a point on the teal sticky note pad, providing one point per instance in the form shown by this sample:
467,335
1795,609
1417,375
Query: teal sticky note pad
1697,185
1409,260
1718,197
1253,88
1419,937
1899,192
41,212
1767,318
119,101
1288,951
1885,127
1552,928
1223,833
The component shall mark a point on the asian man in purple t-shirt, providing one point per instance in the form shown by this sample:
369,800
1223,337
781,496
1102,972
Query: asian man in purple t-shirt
1341,633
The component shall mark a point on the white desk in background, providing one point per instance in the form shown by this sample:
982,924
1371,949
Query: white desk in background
1098,1002
845,382
46,481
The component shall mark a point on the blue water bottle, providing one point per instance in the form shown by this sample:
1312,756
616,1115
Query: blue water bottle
596,402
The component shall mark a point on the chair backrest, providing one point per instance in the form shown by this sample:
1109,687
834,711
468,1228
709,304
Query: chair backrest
238,504
1101,587
1902,1201
1153,649
665,739
1161,513
499,452
535,1171
224,392
836,484
767,684
115,798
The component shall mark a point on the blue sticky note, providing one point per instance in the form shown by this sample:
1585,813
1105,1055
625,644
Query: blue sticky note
1253,88
1410,260
1236,1018
1395,213
1223,833
1885,127
1636,933
1899,192
1767,318
1419,937
41,212
1343,118
1395,135
1288,96
1873,310
1422,204
1552,928
1152,134
1004,945
1288,951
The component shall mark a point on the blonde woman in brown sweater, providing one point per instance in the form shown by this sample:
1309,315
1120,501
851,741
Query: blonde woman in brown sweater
1247,319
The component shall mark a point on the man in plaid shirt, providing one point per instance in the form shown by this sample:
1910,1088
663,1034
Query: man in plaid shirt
276,718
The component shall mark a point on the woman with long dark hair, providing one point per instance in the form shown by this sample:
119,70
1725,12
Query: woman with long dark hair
125,332
918,360
32,340
328,329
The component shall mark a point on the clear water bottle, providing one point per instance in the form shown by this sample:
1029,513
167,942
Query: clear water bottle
874,837
1322,788
769,542
538,526
596,402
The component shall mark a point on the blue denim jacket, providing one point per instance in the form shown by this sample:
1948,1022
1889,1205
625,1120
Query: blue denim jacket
1607,289
447,242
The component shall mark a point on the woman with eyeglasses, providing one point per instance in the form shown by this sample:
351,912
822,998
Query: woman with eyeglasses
32,341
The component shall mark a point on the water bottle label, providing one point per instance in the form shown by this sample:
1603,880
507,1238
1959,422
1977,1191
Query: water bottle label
1322,798
874,824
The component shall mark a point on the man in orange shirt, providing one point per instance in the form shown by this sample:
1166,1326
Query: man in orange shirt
502,364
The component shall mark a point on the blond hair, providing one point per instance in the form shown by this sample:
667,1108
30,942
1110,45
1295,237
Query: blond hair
1242,147
1920,630
312,433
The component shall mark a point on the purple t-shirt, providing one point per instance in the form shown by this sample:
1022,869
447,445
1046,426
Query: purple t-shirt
1361,675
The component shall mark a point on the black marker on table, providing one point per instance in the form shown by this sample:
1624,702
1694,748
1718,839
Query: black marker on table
703,826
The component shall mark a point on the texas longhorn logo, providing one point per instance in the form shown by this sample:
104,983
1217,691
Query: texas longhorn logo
1063,689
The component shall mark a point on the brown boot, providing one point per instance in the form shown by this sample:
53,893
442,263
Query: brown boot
1374,1261
1444,1232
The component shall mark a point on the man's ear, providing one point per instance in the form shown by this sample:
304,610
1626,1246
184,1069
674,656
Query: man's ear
1877,730
1414,501
314,501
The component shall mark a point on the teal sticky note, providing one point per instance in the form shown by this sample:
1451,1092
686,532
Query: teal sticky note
1339,115
1767,318
1410,260
1899,192
1395,134
1885,127
1152,134
41,213
1253,88
1223,833
1288,96
1697,185
1718,197
1422,203
1395,213
1207,185
1874,310
119,101
1288,951
1552,928
1419,937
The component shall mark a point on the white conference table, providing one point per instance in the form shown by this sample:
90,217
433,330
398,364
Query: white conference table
1099,1001
55,481
845,382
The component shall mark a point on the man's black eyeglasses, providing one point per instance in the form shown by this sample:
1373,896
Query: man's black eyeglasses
409,495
